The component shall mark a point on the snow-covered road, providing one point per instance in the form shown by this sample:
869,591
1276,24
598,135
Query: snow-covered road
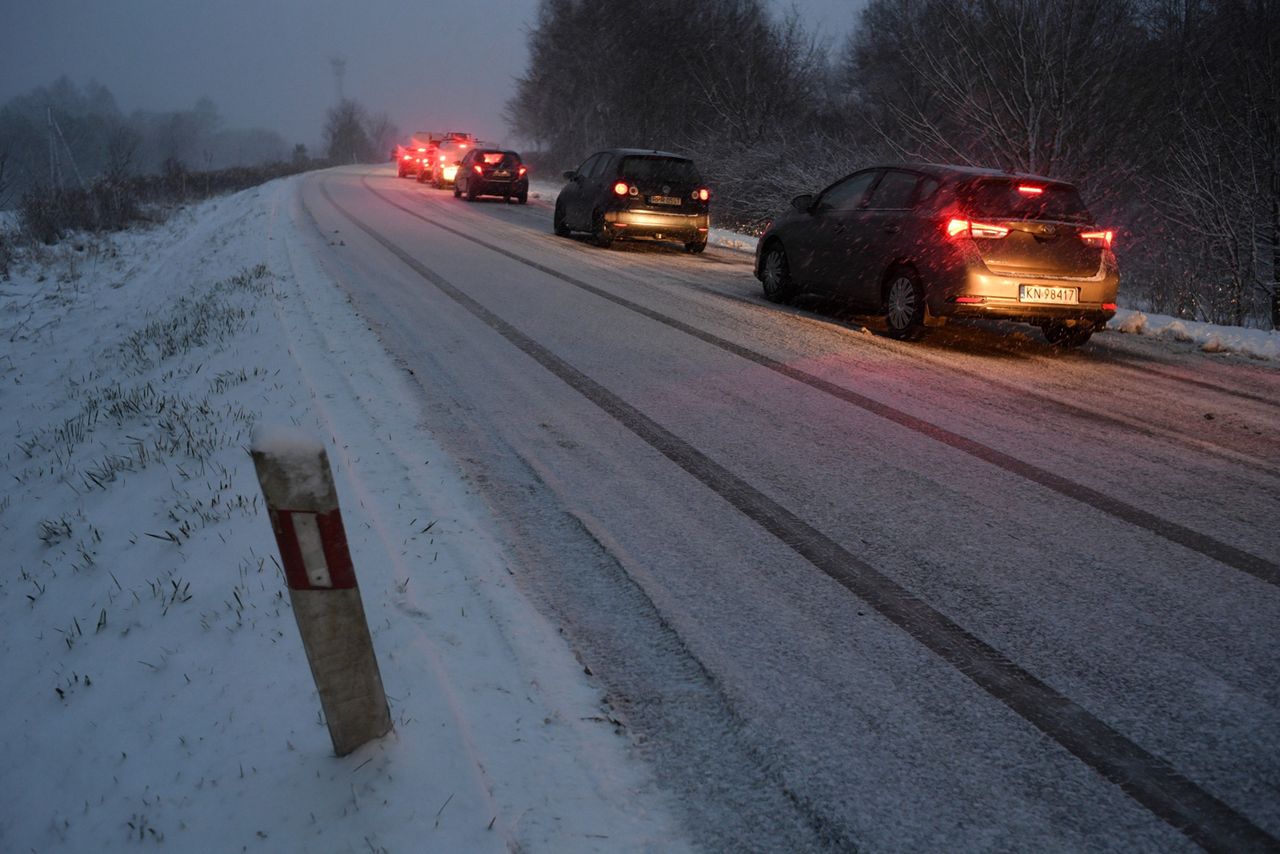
825,590
970,593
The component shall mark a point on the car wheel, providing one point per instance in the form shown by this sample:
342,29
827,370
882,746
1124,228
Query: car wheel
557,221
422,177
456,191
471,191
695,247
904,305
522,198
600,231
1061,335
775,275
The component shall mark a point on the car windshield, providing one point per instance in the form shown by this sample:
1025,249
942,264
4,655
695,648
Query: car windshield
1014,199
675,170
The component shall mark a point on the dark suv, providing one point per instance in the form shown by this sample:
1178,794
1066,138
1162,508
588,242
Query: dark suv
492,172
922,242
630,193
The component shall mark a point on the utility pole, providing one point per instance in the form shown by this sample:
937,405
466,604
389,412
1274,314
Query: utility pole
55,170
339,71
55,163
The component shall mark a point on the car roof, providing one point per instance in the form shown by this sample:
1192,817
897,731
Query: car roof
942,170
650,152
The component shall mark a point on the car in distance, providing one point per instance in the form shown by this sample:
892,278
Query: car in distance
492,172
921,243
628,193
410,160
448,155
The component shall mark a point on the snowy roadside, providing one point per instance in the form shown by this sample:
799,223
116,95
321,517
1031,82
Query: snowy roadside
156,690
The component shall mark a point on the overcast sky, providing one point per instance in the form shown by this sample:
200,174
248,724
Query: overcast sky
266,63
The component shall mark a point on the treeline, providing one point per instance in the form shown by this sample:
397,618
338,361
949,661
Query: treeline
94,139
1165,112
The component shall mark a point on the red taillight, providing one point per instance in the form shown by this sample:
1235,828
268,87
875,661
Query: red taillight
1109,306
702,194
1030,190
520,172
965,228
621,188
407,157
970,300
479,171
1098,238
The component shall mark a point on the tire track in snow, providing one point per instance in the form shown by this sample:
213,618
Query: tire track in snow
1148,779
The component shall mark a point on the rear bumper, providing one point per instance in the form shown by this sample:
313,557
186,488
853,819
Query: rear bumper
490,187
658,224
975,291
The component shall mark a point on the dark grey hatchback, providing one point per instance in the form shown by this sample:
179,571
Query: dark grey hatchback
923,242
626,193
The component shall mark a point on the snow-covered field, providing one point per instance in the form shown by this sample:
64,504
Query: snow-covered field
155,687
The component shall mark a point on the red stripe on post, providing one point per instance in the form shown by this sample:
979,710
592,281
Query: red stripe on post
334,537
333,542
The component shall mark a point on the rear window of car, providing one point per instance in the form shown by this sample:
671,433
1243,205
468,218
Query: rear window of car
1012,199
492,157
675,170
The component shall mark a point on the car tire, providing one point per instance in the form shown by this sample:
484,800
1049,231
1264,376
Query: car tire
1061,335
456,192
600,231
775,275
422,177
522,198
471,191
695,247
904,305
557,221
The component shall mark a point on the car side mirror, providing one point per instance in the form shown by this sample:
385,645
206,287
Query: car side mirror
803,203
570,175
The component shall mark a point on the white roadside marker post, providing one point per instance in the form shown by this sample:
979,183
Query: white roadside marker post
293,469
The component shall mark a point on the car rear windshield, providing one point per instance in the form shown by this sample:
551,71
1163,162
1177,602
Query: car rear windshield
674,170
502,158
1012,199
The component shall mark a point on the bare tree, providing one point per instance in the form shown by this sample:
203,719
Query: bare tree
345,134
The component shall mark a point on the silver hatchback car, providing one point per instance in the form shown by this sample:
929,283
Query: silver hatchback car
923,242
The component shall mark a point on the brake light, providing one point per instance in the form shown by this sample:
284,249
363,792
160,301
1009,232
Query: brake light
520,172
1029,190
970,300
479,171
407,157
1102,239
620,188
703,194
1109,306
965,228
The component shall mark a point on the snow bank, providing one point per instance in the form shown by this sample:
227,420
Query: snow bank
1211,338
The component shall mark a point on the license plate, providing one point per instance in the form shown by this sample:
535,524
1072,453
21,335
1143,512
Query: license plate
502,173
664,200
1048,294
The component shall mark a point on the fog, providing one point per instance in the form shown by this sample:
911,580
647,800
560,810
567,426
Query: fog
427,65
